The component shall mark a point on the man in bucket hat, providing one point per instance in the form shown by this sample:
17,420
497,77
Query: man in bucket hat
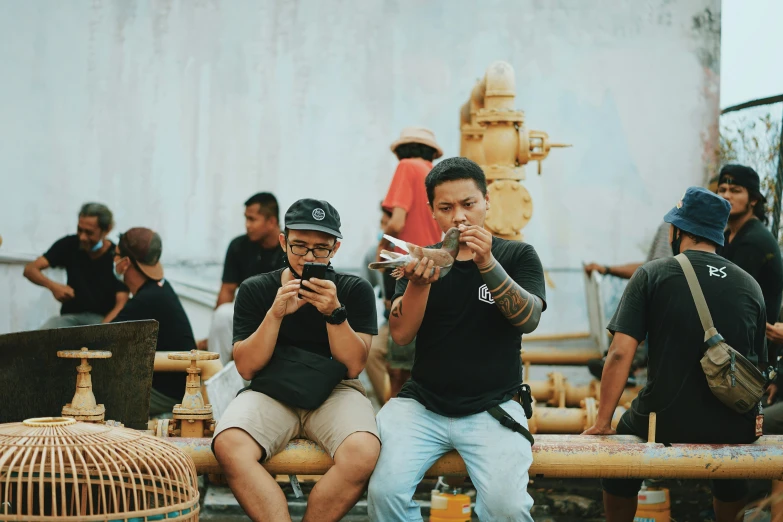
657,304
288,333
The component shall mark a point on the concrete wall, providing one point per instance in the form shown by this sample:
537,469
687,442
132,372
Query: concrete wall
24,306
173,112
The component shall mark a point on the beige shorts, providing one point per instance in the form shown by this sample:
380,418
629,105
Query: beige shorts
273,424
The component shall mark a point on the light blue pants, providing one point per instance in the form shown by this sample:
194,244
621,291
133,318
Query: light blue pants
413,438
68,320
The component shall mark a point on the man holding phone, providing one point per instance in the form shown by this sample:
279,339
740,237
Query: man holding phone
302,344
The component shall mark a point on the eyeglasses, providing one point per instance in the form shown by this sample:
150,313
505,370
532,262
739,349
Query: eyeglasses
302,250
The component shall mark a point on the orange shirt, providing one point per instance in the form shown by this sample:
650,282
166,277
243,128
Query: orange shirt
407,192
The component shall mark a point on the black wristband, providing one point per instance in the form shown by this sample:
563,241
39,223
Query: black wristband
607,270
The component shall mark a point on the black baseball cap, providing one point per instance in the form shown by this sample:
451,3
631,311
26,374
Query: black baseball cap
313,214
741,175
701,213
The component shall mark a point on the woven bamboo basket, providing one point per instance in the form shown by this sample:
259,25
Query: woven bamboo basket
61,469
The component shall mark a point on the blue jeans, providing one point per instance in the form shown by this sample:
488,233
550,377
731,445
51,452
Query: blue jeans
413,438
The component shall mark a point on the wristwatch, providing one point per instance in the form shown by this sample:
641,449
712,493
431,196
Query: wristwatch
339,315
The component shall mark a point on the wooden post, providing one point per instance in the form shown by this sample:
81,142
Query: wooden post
651,429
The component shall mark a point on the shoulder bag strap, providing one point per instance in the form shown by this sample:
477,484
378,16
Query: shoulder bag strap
508,421
711,335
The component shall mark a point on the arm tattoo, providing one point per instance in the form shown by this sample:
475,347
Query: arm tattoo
397,310
521,308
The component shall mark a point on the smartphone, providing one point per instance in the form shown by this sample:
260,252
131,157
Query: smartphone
316,270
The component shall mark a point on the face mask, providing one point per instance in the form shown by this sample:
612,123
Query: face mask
676,242
120,277
97,246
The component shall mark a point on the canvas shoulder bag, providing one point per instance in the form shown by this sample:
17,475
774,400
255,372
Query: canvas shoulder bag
733,379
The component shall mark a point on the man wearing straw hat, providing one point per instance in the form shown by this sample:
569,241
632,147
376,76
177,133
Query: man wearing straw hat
411,220
406,199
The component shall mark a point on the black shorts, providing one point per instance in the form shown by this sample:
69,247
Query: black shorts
725,490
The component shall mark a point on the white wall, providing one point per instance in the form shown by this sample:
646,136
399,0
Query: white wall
173,112
24,306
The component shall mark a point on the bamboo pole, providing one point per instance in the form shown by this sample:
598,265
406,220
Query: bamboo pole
569,336
561,456
564,356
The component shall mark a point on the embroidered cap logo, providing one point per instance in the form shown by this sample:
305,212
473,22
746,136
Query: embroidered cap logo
679,203
319,214
484,295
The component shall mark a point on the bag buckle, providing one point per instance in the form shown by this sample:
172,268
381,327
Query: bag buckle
526,400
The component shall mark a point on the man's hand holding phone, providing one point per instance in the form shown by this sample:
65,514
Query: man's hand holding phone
286,301
317,290
322,294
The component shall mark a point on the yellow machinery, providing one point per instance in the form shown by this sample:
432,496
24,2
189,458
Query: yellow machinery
557,391
193,417
84,407
494,136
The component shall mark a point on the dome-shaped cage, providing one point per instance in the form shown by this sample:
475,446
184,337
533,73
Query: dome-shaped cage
60,469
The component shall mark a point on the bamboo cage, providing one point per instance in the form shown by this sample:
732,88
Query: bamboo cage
61,469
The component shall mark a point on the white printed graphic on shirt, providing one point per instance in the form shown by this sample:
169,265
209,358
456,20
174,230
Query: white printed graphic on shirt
717,272
484,295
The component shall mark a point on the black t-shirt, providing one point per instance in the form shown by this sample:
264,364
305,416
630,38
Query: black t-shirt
755,250
658,304
305,328
467,353
92,280
157,300
245,258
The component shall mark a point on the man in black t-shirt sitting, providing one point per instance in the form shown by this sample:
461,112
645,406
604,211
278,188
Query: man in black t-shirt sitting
658,304
330,322
748,243
137,262
255,252
92,294
468,329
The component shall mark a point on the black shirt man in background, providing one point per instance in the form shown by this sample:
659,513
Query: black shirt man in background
748,242
91,295
657,304
137,262
255,252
